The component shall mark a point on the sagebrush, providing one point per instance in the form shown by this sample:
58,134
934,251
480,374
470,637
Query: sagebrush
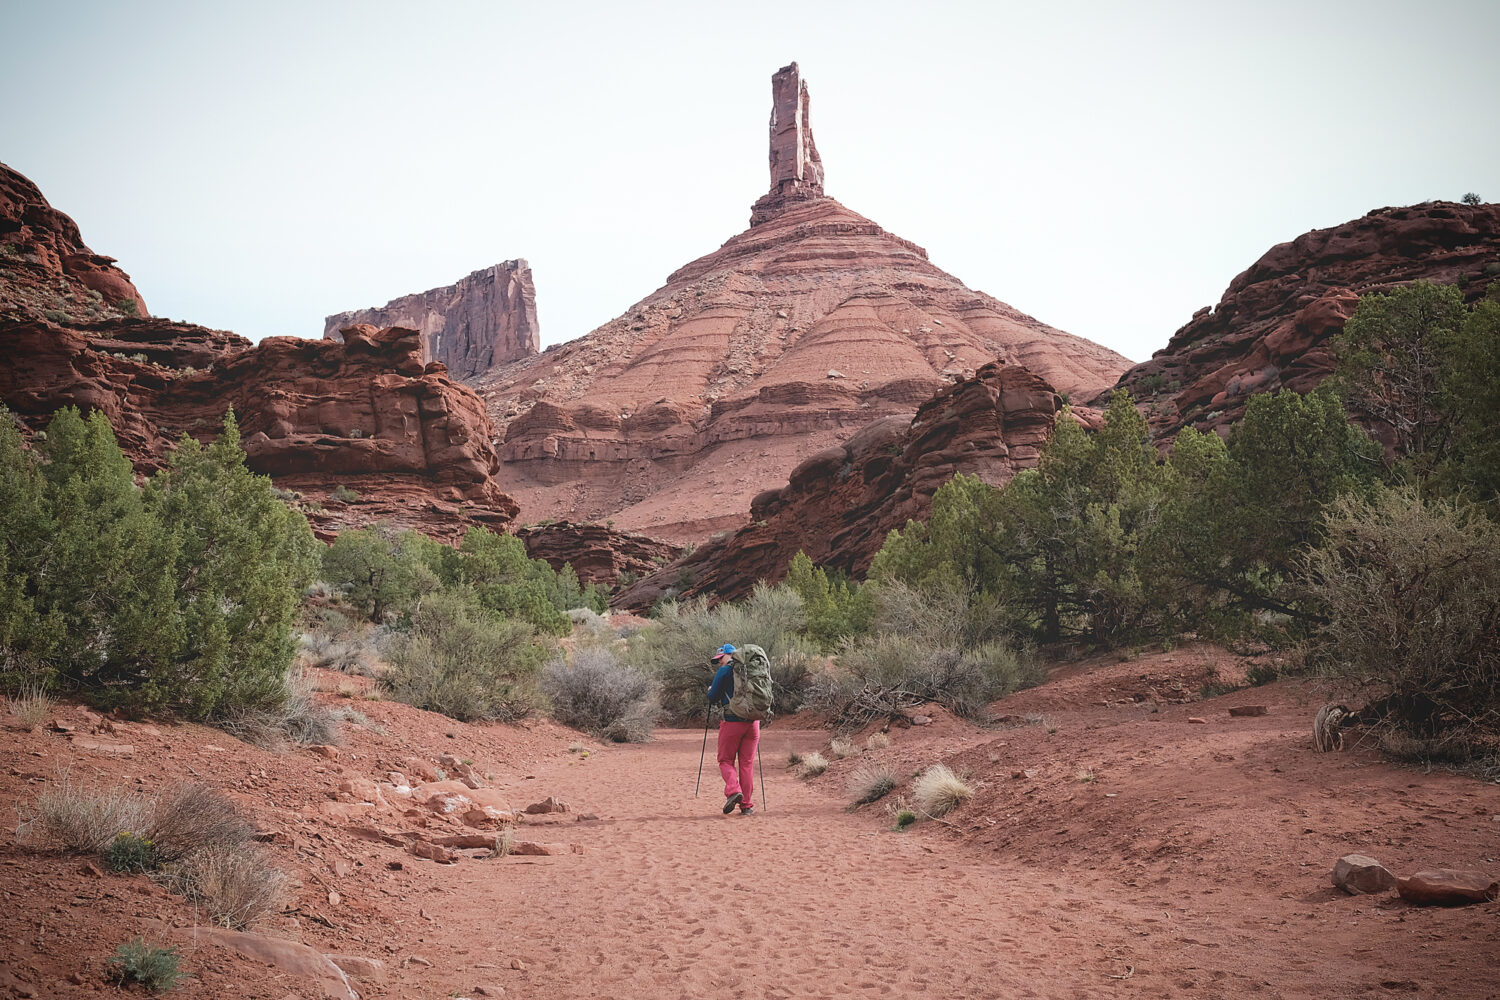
596,691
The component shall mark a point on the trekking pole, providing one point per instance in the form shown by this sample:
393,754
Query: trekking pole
762,775
708,716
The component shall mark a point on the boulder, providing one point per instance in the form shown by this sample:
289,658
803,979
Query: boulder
1447,887
1357,874
551,804
432,852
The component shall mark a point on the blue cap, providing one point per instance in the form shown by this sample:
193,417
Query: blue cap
725,650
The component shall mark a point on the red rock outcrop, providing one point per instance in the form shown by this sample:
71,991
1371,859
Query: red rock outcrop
780,344
597,552
45,266
364,414
486,319
1272,327
838,504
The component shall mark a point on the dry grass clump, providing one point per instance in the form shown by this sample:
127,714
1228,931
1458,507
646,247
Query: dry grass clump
234,886
195,818
937,791
31,707
297,719
877,741
842,748
793,758
814,764
86,820
505,841
870,784
193,841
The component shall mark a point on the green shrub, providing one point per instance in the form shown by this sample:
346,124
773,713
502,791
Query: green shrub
157,969
344,494
294,718
461,660
179,597
905,818
676,649
130,852
600,694
1410,588
1470,198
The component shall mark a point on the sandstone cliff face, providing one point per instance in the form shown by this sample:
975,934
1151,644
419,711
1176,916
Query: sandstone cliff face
1272,327
838,504
780,344
487,319
364,414
597,552
45,266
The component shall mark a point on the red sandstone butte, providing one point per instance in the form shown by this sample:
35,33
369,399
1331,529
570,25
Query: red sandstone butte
777,346
45,266
483,320
838,504
1272,327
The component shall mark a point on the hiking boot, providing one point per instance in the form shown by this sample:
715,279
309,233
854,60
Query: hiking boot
747,810
731,802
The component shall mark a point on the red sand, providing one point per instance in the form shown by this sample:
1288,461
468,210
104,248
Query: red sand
1144,855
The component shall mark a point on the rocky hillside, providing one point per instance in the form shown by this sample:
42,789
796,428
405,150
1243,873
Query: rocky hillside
363,420
362,429
838,505
486,319
1271,329
45,268
780,344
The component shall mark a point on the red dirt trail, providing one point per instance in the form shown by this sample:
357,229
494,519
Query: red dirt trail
1113,849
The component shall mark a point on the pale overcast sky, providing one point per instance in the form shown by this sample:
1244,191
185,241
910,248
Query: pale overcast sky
1106,167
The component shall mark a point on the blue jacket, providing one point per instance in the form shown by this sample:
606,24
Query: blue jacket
722,689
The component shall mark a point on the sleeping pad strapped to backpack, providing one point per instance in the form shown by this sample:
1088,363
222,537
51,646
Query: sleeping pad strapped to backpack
752,684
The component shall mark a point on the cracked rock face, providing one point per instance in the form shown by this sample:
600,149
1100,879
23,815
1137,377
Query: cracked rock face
486,319
782,343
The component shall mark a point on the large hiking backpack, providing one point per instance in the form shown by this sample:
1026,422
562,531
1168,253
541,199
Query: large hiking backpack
752,684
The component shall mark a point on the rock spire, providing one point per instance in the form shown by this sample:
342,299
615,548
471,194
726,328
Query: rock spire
796,168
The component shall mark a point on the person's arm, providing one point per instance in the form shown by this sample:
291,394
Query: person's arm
722,689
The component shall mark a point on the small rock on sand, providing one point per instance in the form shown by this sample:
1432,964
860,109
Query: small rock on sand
1358,874
1447,887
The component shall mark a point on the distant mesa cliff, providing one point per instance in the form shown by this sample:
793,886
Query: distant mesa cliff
45,266
780,344
1272,327
486,319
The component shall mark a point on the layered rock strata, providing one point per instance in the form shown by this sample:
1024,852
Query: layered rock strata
838,504
597,552
407,443
1273,325
45,267
778,345
486,319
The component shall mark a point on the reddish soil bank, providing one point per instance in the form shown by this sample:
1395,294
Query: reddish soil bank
1113,848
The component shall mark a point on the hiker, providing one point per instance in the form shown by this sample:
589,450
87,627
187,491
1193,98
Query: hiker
738,736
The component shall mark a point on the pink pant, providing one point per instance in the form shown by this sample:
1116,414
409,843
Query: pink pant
738,738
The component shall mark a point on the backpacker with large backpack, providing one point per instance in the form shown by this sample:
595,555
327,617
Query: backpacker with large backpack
752,684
